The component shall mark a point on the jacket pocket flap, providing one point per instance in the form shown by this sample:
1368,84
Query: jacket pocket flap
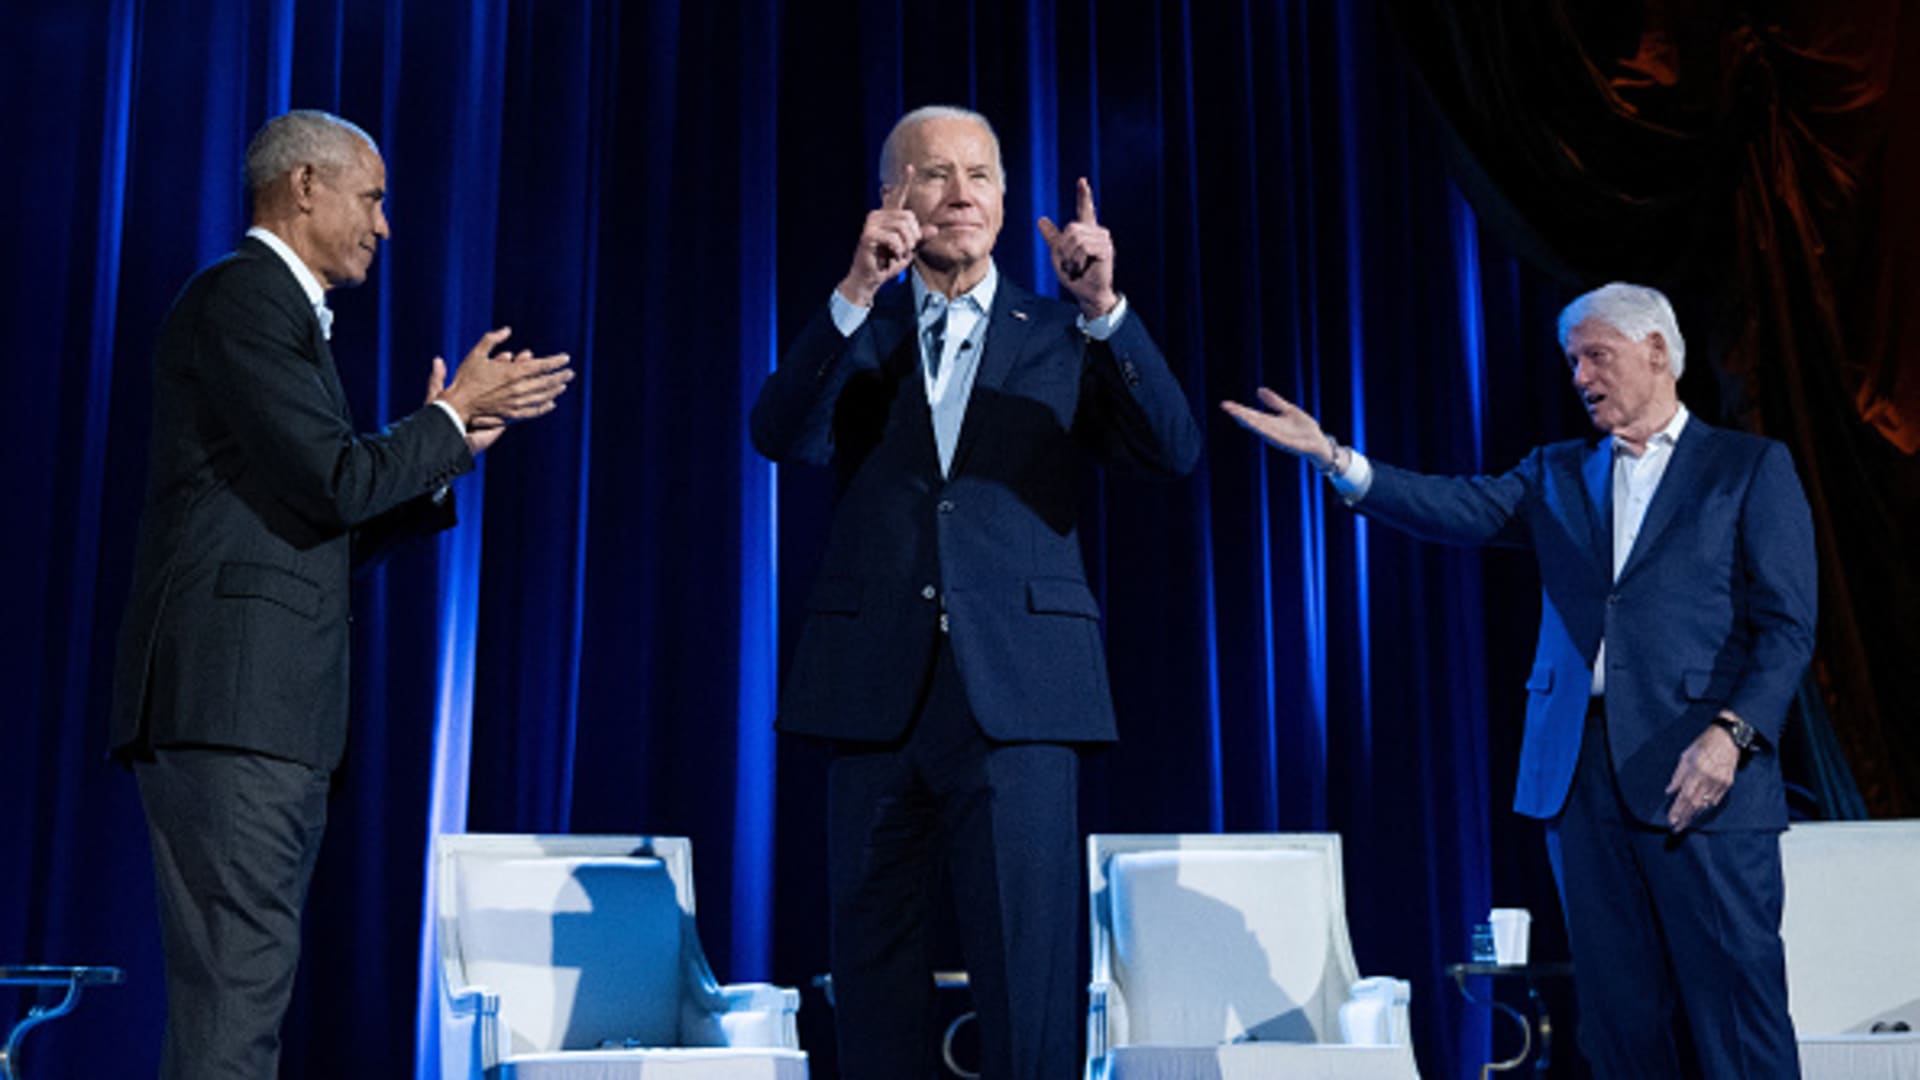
1061,597
835,594
263,582
1541,680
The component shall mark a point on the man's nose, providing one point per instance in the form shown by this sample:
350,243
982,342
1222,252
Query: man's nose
380,228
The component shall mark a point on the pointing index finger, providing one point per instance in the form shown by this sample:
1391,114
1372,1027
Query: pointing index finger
1086,203
898,199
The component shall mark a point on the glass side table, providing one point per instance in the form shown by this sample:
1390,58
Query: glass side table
1536,1031
69,980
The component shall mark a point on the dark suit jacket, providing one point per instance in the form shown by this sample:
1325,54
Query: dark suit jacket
1713,610
995,542
259,498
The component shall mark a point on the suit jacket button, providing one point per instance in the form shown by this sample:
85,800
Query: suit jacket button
946,506
928,593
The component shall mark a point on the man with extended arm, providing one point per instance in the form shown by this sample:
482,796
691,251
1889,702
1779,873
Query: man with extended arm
1678,591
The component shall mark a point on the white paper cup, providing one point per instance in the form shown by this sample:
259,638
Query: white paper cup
1511,928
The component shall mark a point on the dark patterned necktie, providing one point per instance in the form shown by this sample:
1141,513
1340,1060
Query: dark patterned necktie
936,337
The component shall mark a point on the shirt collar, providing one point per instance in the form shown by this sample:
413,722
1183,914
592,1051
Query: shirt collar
981,294
1667,437
1670,434
316,294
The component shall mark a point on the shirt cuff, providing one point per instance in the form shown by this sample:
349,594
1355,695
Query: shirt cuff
1102,328
453,414
1354,481
847,315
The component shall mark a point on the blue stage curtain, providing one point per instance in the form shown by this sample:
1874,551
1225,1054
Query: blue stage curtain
667,190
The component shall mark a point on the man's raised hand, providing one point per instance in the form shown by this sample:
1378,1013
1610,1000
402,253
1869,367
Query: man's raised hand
491,390
888,241
1284,425
484,432
1083,256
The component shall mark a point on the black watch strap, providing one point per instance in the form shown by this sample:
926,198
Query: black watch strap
1742,732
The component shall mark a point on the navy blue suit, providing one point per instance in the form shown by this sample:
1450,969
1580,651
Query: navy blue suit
960,740
1713,609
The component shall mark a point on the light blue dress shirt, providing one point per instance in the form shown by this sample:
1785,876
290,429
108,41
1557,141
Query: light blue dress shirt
949,383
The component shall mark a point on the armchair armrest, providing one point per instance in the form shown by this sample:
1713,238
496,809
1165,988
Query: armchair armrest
1375,1012
743,1014
470,1031
1097,1034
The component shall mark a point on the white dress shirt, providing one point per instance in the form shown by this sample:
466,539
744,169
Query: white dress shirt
1635,478
317,296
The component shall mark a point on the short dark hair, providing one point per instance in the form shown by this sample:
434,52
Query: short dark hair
301,137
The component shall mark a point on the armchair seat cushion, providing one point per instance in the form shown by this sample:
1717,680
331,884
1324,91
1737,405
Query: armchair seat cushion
1259,1061
578,958
715,1063
1222,946
1853,959
1226,956
538,932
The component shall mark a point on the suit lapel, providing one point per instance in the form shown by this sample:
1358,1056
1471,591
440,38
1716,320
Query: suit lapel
330,372
897,335
1008,327
896,340
1597,478
317,340
1678,487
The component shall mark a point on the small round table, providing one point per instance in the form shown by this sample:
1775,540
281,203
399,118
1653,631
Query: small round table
1539,1027
47,976
942,980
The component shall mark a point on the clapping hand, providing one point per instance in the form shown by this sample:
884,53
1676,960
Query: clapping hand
492,390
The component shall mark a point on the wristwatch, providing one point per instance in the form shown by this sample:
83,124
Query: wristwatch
1743,733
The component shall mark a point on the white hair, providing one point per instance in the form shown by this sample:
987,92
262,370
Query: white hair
892,152
302,137
1636,311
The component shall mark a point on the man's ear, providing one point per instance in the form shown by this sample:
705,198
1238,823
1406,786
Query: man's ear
1657,349
301,180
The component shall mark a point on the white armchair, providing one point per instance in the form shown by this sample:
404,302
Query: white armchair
1852,932
1227,957
577,958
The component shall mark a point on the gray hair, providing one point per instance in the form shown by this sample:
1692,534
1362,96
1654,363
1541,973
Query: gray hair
1635,311
892,152
301,137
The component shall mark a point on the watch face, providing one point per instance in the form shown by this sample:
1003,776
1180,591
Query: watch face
1741,731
